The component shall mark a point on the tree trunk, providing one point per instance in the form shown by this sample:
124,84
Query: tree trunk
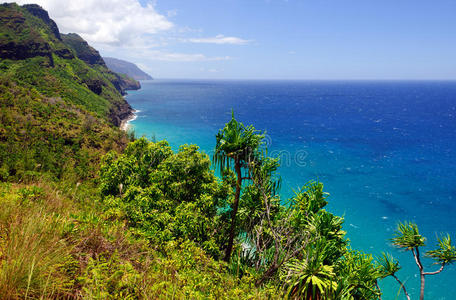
378,288
266,275
229,248
422,285
403,286
416,254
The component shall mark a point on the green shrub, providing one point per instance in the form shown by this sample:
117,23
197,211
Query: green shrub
164,195
108,277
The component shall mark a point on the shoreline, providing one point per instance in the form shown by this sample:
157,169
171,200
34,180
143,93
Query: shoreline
125,123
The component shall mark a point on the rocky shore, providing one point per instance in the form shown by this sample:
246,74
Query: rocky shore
125,122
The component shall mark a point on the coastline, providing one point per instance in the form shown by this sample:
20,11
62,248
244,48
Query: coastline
124,123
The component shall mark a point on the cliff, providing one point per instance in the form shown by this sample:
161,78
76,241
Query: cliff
83,50
33,53
93,58
128,68
28,32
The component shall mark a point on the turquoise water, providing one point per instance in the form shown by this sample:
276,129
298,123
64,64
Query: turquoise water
384,150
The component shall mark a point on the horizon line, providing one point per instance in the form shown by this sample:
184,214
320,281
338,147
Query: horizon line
299,79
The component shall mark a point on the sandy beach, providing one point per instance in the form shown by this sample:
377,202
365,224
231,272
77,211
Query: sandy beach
126,122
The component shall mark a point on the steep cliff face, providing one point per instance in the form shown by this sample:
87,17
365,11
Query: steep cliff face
92,57
128,68
33,53
83,50
127,83
39,12
29,32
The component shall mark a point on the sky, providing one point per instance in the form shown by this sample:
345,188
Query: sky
269,39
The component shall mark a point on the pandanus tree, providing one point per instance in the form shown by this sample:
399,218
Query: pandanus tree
237,146
407,237
389,266
310,278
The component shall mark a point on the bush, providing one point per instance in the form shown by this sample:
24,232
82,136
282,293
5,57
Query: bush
164,195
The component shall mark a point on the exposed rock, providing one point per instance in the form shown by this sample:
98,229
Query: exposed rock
95,86
39,12
82,49
27,32
16,51
131,84
120,112
124,83
64,53
20,40
29,45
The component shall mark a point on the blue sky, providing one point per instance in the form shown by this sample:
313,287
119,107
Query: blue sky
272,39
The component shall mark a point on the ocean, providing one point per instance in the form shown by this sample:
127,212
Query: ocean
385,150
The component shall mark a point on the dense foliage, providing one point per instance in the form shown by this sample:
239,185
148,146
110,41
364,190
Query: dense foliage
165,196
55,109
298,246
45,135
55,243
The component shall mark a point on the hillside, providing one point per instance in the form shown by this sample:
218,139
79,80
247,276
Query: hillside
128,68
34,54
91,57
55,107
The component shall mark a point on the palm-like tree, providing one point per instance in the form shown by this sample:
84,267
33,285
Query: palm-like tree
445,253
408,237
310,278
308,283
357,277
240,145
389,266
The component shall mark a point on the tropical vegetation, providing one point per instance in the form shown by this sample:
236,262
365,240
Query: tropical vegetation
408,237
88,211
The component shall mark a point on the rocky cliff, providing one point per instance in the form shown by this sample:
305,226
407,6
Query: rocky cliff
128,68
34,53
93,58
83,50
39,12
28,32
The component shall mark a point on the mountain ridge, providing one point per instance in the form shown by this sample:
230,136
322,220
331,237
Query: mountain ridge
127,68
34,53
92,57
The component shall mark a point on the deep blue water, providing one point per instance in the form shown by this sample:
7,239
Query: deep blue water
384,150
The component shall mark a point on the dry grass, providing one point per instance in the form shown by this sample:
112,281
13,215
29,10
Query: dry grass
54,247
32,247
46,242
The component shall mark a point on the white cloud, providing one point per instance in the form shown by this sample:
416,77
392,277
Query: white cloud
126,29
112,22
180,57
220,39
142,55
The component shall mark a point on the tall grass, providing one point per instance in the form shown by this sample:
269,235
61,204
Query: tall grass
32,249
52,247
